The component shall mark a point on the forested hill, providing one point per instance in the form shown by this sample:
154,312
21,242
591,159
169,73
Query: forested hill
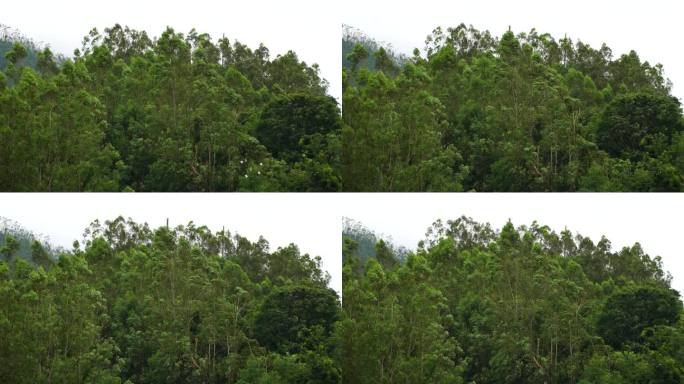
518,305
525,112
17,241
134,304
12,40
367,243
352,36
180,112
10,36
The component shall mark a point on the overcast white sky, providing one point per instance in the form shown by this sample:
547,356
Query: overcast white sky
653,220
653,29
310,28
303,219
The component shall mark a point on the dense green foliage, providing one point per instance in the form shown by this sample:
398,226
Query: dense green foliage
182,305
177,113
520,305
516,113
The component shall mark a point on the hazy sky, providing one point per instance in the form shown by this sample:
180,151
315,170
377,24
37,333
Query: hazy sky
653,29
653,220
303,219
308,27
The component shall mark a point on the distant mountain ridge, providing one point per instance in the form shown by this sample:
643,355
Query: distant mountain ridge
352,36
9,36
25,238
367,241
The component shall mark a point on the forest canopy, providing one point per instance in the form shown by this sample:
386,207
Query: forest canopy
180,112
133,304
517,305
525,112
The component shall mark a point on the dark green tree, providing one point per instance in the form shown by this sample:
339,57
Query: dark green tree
628,313
291,317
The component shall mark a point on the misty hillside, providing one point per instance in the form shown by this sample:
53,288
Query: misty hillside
17,241
352,36
10,36
366,243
